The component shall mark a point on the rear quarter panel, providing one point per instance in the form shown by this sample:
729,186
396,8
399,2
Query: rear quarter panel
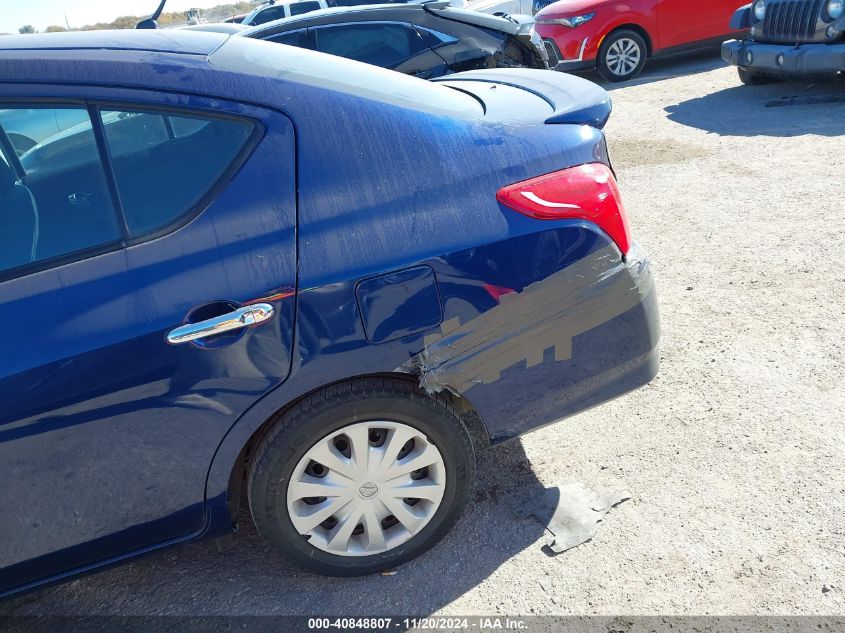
385,189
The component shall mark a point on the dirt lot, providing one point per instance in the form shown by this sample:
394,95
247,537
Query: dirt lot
735,454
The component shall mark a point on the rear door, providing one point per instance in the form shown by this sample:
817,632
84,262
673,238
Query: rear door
156,212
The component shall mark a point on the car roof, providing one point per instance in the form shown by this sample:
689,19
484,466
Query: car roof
218,65
219,27
152,40
332,12
374,12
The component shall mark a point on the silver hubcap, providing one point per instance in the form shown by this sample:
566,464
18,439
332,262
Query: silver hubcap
623,56
366,488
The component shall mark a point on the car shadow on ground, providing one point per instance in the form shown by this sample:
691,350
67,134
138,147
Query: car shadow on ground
782,109
661,69
245,577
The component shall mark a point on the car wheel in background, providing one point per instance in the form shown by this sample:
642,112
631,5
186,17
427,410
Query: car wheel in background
752,78
360,477
622,56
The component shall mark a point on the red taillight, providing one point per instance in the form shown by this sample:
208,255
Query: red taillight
497,291
588,192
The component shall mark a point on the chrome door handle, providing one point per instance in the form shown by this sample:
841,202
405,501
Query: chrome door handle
240,318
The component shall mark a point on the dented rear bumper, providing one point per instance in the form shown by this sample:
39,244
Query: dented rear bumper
581,336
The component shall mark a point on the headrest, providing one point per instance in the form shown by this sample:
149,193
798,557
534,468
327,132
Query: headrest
7,177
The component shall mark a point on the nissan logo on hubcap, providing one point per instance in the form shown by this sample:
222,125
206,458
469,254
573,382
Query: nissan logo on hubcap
368,490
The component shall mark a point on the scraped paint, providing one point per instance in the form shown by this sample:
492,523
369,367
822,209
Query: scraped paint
547,313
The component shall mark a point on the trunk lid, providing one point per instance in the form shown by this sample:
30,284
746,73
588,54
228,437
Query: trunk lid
522,95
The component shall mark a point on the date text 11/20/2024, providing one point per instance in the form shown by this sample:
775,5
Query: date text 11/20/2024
481,623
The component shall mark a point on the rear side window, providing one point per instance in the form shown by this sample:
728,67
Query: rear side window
378,43
291,38
165,164
54,200
58,201
298,8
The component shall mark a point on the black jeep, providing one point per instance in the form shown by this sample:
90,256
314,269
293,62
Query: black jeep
788,38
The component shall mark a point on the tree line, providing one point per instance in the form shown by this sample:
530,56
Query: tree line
174,18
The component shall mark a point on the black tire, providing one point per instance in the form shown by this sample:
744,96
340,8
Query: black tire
317,416
624,38
752,78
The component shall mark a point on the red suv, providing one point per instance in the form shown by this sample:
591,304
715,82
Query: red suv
616,37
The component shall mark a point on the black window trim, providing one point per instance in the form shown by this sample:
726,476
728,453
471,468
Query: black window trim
94,107
10,154
94,115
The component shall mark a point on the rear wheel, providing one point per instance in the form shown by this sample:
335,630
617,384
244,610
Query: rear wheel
622,56
361,477
753,78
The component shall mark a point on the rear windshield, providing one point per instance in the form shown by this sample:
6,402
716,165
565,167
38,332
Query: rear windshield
256,57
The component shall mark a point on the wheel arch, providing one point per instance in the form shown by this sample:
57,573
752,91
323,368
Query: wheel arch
237,477
631,26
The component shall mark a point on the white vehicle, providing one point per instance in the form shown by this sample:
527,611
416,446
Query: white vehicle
511,7
278,10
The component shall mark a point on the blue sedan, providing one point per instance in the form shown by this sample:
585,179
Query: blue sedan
262,279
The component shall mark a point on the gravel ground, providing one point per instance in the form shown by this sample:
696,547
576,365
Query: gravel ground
735,454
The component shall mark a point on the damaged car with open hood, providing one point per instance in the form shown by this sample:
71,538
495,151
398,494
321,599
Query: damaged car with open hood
264,281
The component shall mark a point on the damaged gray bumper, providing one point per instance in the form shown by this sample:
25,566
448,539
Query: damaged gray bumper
581,336
785,60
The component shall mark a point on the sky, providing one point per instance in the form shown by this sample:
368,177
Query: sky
42,13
